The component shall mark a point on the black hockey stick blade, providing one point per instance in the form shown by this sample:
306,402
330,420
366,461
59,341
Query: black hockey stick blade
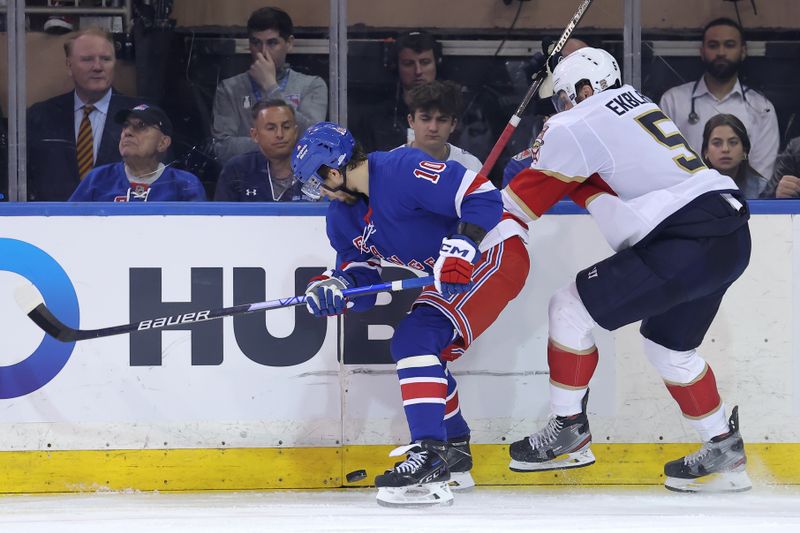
31,302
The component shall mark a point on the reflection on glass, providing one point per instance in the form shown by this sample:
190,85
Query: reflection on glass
726,63
71,134
89,60
4,189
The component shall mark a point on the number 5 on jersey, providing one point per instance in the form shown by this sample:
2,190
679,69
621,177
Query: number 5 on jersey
430,170
649,121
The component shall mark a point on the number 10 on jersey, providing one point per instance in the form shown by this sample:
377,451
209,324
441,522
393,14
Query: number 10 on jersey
430,170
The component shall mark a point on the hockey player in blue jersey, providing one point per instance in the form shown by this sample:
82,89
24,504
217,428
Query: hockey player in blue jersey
434,217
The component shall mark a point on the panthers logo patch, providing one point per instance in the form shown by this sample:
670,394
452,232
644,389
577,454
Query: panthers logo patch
537,144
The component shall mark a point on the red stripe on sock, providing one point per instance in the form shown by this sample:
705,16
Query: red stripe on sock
424,389
569,368
697,399
452,405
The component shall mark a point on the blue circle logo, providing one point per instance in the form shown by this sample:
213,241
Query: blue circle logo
56,288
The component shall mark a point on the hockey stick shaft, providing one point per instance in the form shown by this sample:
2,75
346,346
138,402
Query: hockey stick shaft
538,78
32,303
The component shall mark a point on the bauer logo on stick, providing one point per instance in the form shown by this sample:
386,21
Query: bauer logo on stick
173,320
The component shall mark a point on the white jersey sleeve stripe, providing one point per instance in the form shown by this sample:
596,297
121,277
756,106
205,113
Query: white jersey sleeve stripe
372,265
467,182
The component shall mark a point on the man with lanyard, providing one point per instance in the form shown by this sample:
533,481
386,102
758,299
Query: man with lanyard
265,174
719,90
269,31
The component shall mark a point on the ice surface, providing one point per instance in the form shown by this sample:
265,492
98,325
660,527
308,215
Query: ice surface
493,509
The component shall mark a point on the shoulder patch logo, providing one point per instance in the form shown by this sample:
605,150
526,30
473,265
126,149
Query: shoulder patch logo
537,144
523,155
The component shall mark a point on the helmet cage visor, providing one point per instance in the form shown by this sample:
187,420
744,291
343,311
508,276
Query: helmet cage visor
324,146
562,101
311,187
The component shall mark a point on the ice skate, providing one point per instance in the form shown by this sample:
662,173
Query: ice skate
563,443
718,466
459,462
421,480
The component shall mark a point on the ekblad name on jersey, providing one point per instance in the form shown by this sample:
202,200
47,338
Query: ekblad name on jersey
621,141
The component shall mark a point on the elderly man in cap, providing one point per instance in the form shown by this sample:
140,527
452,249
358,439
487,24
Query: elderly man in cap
141,176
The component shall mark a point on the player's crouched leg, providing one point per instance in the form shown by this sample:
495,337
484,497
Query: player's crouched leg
423,477
498,278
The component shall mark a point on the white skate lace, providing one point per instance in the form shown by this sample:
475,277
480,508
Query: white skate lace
547,434
694,458
412,462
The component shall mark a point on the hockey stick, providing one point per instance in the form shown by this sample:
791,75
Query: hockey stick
29,299
538,78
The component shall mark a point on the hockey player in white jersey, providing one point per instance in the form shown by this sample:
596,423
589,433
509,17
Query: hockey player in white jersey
681,238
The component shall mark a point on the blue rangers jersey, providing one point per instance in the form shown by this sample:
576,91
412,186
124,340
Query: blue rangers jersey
110,183
413,204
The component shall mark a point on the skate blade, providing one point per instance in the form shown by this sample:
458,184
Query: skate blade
577,459
461,481
426,495
712,483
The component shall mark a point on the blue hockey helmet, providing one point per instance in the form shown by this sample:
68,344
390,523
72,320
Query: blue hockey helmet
324,143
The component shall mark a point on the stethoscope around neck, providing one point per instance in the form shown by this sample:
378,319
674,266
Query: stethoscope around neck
694,118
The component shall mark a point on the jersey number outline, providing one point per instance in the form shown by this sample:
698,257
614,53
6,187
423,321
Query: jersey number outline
430,170
649,121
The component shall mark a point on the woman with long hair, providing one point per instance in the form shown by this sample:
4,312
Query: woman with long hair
726,146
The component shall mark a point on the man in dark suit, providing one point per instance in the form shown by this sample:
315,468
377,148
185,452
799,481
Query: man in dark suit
70,134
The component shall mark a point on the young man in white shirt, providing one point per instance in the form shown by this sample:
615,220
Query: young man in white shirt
433,110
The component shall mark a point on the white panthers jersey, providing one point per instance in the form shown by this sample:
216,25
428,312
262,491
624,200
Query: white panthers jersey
622,140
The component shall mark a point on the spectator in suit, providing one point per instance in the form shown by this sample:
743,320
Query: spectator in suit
140,176
726,147
785,182
270,31
70,134
265,174
720,90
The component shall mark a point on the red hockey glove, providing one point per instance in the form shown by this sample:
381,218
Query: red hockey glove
453,269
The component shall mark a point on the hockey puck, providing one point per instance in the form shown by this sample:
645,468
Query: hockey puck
356,475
